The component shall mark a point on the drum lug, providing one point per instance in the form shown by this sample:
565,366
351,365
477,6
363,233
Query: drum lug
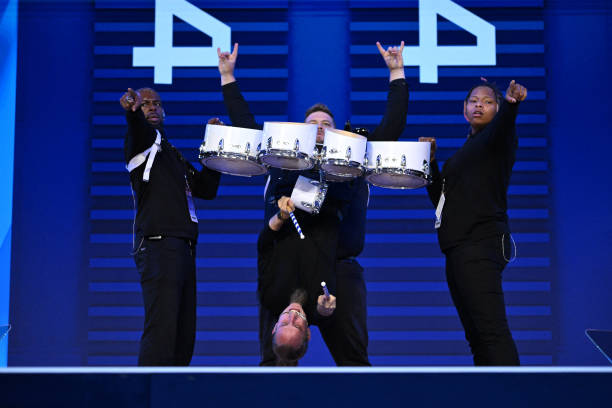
403,160
348,153
269,143
378,159
202,147
425,167
297,145
220,145
324,152
247,150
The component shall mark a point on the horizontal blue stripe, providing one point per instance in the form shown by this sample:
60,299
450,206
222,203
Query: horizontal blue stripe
458,119
419,96
374,335
180,26
255,191
464,3
233,287
117,143
373,311
282,4
500,49
371,238
446,360
211,72
442,26
119,167
211,214
197,360
379,262
456,72
375,359
203,96
284,26
244,49
201,120
210,4
283,96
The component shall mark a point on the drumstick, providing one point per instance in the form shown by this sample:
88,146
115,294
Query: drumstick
297,225
325,289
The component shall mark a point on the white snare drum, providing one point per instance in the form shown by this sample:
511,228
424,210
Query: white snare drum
308,195
401,165
343,153
288,145
232,150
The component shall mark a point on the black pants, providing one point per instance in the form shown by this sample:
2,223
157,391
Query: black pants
167,277
474,276
345,332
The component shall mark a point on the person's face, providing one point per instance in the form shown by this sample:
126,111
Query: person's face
291,326
480,108
152,107
322,120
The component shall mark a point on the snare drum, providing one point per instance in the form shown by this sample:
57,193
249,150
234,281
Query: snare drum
288,145
308,195
232,150
399,165
343,154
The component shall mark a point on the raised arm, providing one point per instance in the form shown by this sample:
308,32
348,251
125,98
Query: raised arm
236,106
503,135
140,134
394,121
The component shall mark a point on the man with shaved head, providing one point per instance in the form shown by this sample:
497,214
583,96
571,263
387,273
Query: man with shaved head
165,229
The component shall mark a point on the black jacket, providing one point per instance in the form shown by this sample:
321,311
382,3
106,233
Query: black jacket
475,181
162,201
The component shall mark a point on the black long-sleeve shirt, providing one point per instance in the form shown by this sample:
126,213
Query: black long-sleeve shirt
352,227
161,202
475,182
337,232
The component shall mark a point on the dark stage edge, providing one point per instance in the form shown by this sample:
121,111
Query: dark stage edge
306,387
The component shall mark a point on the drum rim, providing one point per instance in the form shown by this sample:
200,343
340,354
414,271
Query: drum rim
287,154
234,157
342,163
427,179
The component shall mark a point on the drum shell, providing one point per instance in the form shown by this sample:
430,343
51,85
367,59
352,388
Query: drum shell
416,155
235,140
308,195
289,145
398,165
232,150
343,153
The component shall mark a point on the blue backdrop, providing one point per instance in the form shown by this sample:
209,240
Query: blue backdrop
74,296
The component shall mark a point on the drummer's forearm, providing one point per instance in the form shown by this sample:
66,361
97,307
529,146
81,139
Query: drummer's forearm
276,222
227,79
396,73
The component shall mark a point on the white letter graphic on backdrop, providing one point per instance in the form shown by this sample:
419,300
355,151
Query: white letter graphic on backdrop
163,56
428,55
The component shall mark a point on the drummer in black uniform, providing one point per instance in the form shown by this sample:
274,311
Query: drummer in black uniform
337,235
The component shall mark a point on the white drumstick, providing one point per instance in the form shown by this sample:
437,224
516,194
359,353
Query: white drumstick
325,289
297,226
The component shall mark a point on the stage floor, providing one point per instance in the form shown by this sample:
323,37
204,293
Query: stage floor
137,387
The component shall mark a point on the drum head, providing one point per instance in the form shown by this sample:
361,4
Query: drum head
234,167
287,163
345,172
396,181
